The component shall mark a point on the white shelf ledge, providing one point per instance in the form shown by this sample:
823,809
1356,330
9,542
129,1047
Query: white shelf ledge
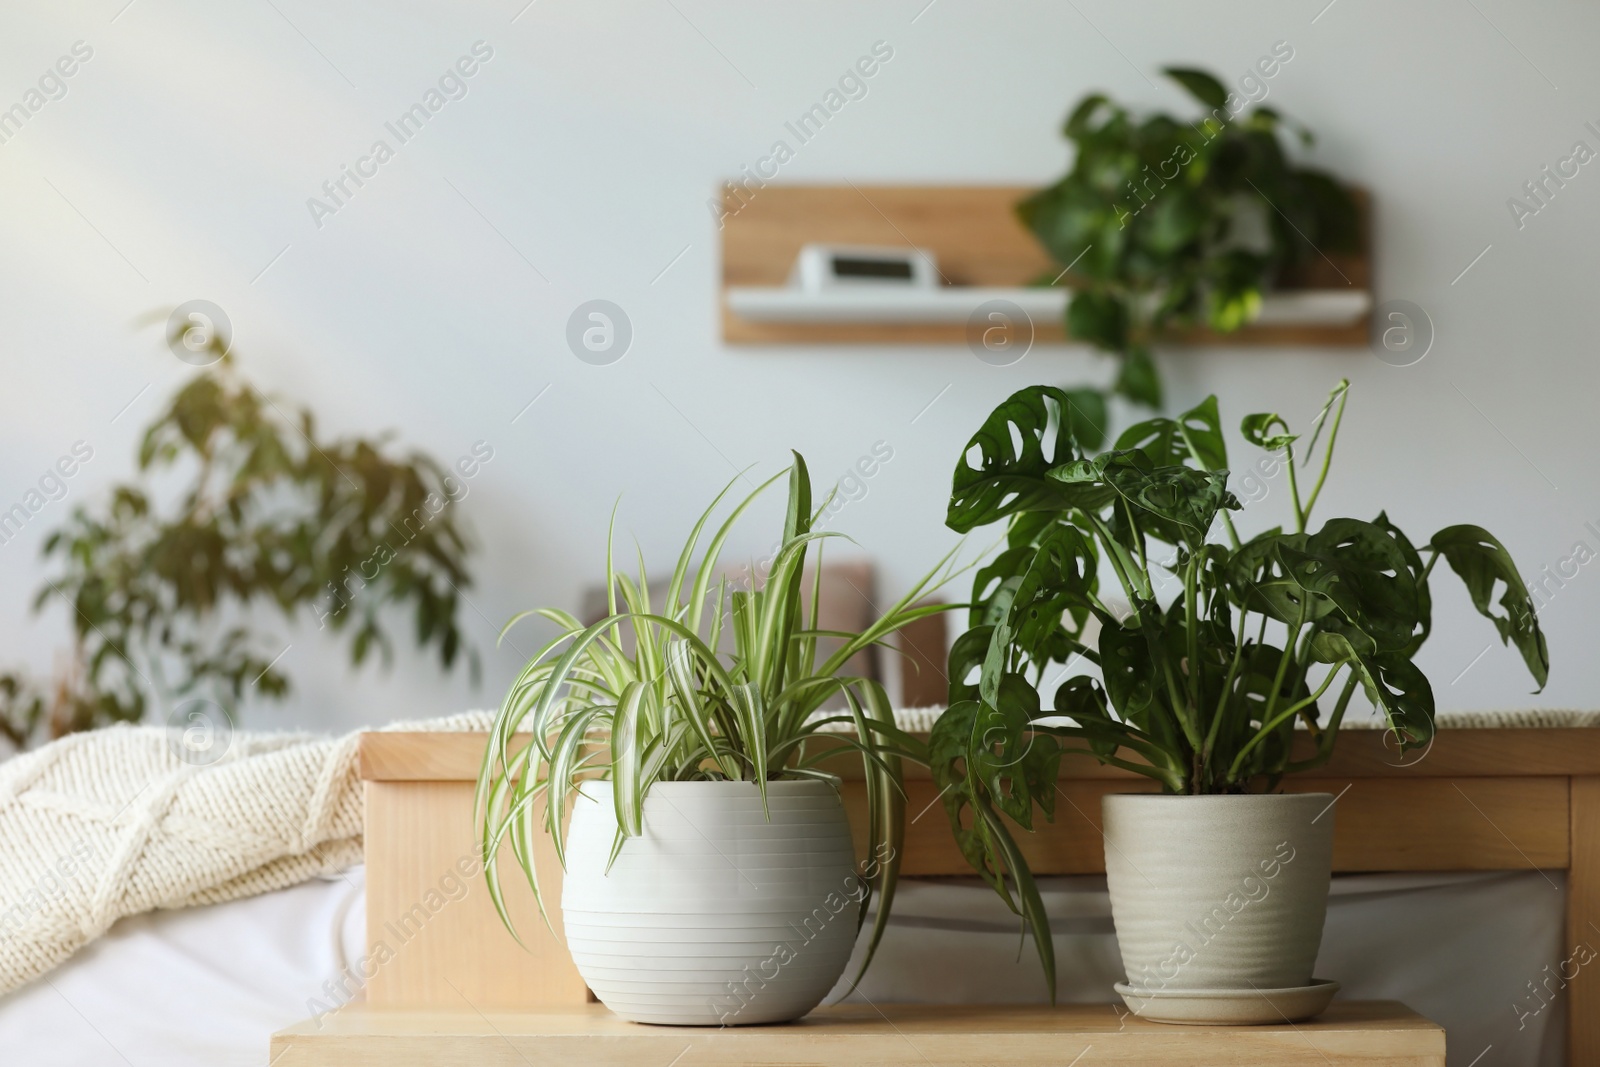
956,304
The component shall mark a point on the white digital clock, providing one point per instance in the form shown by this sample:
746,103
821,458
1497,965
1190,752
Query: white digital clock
820,268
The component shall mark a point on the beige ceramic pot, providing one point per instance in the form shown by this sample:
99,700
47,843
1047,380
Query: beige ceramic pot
1219,895
723,913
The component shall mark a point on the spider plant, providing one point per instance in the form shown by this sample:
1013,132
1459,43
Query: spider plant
644,696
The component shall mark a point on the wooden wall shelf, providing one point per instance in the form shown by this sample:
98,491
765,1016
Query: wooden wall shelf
977,240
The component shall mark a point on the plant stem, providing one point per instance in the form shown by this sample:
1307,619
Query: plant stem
1330,732
1283,663
1144,560
1137,599
1327,454
1114,553
1294,491
1166,776
1227,687
1192,632
1233,535
1101,604
1427,570
1284,716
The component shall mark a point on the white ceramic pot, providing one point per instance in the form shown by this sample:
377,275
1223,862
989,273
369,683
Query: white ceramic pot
1218,893
717,915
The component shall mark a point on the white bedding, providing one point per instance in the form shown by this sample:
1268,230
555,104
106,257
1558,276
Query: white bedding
203,987
206,986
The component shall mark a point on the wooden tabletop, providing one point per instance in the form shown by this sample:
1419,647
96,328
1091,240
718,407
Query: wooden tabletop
1349,1033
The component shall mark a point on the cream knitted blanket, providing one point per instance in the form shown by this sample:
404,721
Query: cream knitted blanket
100,825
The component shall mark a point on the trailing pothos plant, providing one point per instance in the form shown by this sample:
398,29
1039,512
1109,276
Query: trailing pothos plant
646,695
1167,222
1210,651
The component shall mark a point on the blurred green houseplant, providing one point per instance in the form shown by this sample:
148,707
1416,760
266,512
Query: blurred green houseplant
1164,222
238,505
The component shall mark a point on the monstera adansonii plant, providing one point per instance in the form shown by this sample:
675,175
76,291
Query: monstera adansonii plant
1198,668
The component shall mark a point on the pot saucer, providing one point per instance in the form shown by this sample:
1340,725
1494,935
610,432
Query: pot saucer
1230,1007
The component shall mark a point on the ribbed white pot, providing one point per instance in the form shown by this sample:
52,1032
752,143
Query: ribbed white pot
1218,892
717,915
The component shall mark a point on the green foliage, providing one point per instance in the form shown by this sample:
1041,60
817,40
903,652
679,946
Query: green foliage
1200,690
239,506
1167,222
645,696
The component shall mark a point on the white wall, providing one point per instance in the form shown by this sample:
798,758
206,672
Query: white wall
189,144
